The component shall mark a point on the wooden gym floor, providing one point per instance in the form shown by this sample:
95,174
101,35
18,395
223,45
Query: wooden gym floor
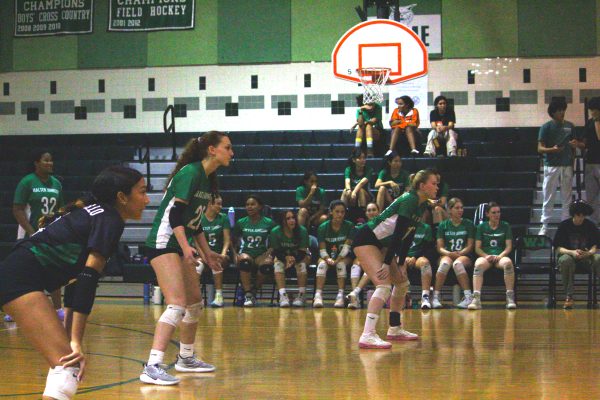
269,353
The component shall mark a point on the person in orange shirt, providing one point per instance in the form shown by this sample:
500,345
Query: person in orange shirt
405,120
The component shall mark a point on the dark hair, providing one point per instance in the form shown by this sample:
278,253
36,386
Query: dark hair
408,101
336,203
106,186
256,197
580,207
387,161
36,156
283,224
356,153
420,177
594,103
557,104
438,99
360,100
307,176
197,150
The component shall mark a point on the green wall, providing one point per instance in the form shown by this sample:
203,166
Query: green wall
560,30
254,31
475,28
191,47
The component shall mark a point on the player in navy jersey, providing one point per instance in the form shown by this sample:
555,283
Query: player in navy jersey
72,245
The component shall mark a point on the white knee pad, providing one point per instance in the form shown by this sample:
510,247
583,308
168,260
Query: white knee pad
172,315
459,268
61,382
509,269
355,271
322,269
192,313
278,267
444,268
401,289
426,270
199,267
301,268
340,268
477,271
383,292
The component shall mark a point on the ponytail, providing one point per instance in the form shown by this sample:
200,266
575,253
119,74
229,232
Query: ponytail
46,220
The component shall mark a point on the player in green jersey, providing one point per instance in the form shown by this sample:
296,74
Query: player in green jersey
397,222
311,201
39,194
217,231
357,180
392,180
191,186
289,242
493,244
420,256
251,234
455,242
71,246
335,238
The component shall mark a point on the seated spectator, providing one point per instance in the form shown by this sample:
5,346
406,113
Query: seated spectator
368,121
311,201
254,256
442,120
419,256
405,120
335,238
455,240
576,242
357,180
493,244
289,241
392,180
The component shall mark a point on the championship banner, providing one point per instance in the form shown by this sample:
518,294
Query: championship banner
53,17
150,15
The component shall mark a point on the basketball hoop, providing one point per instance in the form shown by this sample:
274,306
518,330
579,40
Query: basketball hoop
373,79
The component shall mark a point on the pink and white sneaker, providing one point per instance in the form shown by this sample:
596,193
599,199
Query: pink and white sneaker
396,333
372,340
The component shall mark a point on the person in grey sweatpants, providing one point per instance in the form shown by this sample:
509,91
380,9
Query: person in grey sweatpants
591,141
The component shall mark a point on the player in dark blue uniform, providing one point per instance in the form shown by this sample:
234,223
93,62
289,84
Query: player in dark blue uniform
72,246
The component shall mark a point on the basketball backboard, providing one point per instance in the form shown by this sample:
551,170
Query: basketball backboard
380,43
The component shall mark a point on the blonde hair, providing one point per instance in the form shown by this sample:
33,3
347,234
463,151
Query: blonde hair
420,178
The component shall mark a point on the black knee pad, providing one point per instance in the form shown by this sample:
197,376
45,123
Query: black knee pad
266,269
245,265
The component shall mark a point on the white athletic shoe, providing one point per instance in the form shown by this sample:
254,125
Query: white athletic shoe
475,303
398,334
249,300
510,301
218,301
192,364
299,300
339,301
436,303
156,375
353,302
372,340
318,301
284,301
465,302
425,304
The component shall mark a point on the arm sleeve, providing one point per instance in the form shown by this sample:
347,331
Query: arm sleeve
22,192
381,175
105,233
299,196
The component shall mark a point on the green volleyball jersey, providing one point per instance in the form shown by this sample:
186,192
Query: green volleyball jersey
456,236
42,198
493,241
355,178
406,205
213,231
316,201
334,240
190,184
402,180
423,235
283,244
254,235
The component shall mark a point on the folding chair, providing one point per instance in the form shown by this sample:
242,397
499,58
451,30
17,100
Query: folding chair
535,255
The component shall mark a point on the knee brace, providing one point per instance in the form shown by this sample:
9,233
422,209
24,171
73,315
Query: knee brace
477,271
266,269
61,382
401,289
172,315
278,267
426,270
199,267
245,265
340,268
444,267
192,312
301,268
383,292
509,269
322,269
355,271
459,268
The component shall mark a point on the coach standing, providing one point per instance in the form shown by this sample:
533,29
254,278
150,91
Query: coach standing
591,141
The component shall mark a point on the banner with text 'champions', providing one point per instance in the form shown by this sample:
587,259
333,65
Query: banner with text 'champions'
53,17
150,15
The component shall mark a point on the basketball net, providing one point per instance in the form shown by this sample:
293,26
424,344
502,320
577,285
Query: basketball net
373,79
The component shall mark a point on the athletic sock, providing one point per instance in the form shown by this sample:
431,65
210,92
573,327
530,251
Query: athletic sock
357,290
219,291
282,292
468,293
156,357
340,292
319,292
424,293
370,322
186,350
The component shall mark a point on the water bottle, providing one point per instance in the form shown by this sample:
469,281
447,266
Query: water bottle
231,215
147,293
157,295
